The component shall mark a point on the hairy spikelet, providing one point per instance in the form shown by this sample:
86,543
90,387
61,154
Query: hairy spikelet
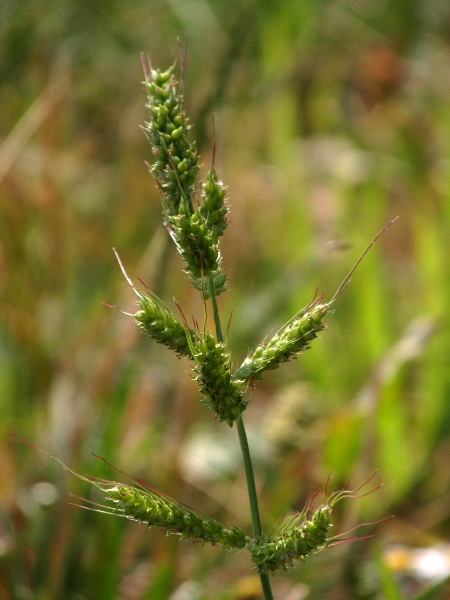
175,164
292,339
194,243
198,248
298,538
158,322
223,395
154,509
195,232
214,208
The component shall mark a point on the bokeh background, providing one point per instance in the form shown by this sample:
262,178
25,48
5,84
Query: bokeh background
332,117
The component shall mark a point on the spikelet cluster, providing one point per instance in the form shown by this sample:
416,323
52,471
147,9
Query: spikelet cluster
158,322
175,165
292,339
214,208
154,509
196,246
222,394
296,539
175,168
212,212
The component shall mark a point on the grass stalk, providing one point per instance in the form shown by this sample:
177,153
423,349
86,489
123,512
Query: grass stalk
253,498
246,457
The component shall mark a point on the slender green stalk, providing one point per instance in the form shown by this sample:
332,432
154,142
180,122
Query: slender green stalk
212,294
246,457
257,530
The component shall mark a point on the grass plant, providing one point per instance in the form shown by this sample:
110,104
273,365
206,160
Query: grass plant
195,224
330,120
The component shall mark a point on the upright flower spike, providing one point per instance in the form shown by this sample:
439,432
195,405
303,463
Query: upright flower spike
175,165
195,232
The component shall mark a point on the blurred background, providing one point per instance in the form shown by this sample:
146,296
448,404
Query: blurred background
332,117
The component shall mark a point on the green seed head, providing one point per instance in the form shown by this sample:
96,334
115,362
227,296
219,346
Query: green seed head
214,208
195,244
154,509
292,339
221,394
159,323
167,130
296,538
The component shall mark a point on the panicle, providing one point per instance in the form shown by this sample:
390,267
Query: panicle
223,395
292,339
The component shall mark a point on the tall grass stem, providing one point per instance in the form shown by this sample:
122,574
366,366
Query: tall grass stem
212,294
248,467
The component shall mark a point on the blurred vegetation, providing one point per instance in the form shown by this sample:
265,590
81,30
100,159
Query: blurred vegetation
332,117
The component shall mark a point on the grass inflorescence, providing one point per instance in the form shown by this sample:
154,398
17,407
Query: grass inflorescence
154,509
222,394
302,534
158,322
288,342
195,231
175,165
301,537
195,215
295,537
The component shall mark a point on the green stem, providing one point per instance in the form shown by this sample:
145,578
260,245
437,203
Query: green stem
212,295
248,467
254,509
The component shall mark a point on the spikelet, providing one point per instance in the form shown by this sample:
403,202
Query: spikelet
218,278
293,338
158,322
195,232
298,538
223,395
194,243
214,207
154,509
175,165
